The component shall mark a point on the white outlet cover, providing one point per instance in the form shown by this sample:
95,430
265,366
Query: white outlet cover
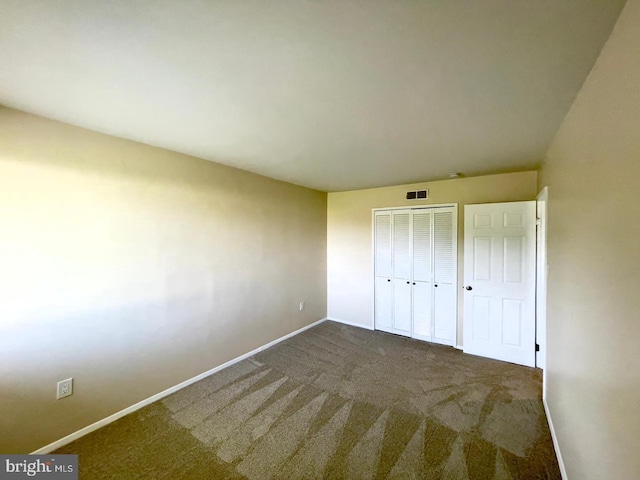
65,388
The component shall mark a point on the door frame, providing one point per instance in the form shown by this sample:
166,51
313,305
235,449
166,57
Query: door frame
541,277
456,263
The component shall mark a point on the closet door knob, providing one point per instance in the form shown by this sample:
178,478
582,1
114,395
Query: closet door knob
388,279
408,283
468,287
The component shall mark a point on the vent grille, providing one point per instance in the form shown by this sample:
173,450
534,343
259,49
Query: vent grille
418,195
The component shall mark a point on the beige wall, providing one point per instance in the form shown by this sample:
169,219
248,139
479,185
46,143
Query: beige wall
593,327
349,234
132,269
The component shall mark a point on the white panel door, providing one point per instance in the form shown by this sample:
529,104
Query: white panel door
499,279
402,268
422,275
444,275
383,308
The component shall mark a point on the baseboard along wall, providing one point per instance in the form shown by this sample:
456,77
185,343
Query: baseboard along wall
556,445
158,396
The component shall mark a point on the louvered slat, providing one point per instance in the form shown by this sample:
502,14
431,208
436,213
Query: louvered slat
444,250
422,246
383,245
401,246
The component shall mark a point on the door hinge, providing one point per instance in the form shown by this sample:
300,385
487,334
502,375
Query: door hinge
537,347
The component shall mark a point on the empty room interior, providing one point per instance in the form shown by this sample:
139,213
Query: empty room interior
321,239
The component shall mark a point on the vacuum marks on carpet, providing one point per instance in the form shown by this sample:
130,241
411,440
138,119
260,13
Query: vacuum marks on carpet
337,402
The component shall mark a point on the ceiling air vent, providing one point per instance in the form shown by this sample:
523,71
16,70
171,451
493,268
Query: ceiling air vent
418,195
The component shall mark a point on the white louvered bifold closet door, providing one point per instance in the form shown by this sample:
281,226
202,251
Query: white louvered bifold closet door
415,273
422,274
401,252
383,307
444,275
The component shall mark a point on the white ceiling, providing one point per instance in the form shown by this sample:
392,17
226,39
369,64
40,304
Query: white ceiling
333,95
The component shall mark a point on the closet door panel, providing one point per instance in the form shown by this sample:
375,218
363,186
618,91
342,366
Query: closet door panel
444,314
444,276
383,304
382,254
422,307
444,250
401,264
402,245
422,274
421,223
402,308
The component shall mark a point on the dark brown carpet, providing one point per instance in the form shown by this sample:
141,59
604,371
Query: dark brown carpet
337,402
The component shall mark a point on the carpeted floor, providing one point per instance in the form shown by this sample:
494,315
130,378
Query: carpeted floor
337,402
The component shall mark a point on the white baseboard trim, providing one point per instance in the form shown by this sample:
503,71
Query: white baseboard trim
556,446
147,401
352,324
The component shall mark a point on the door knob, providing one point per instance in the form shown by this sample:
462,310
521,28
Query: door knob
408,283
388,279
469,287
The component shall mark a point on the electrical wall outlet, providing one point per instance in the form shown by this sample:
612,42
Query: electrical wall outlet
65,388
301,306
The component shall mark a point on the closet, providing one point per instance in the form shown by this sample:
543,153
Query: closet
415,265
